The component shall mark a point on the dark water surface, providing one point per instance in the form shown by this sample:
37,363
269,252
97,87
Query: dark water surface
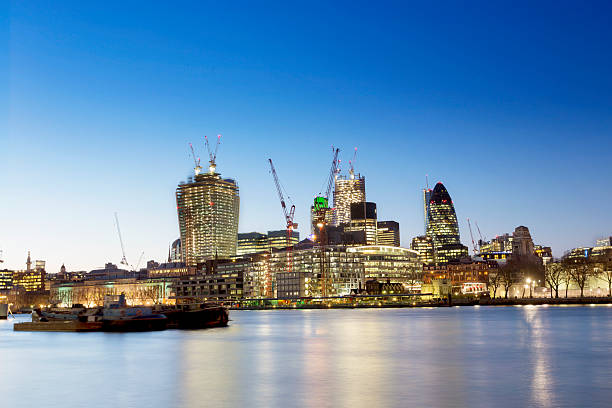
447,357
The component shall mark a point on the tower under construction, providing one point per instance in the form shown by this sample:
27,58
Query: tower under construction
208,208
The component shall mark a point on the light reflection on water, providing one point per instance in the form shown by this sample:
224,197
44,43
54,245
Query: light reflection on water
487,356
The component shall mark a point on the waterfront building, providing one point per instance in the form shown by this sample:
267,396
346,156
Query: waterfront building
388,233
423,245
208,210
364,218
465,277
29,281
6,280
347,191
317,271
228,279
91,292
226,282
390,263
443,227
374,287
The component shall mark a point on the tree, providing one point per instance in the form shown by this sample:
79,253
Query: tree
553,275
507,274
495,281
579,271
603,267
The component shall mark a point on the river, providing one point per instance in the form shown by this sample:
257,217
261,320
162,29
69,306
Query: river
440,357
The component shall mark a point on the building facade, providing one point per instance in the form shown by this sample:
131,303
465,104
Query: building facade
208,210
254,242
348,190
389,263
388,233
423,245
364,218
443,227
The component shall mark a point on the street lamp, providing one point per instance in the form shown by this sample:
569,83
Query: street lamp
529,284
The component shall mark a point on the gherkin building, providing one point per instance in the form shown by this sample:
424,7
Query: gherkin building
443,228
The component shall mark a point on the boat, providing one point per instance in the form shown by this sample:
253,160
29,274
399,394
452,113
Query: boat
117,316
194,316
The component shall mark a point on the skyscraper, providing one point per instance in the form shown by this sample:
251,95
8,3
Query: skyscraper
363,219
208,210
426,200
443,228
348,190
388,233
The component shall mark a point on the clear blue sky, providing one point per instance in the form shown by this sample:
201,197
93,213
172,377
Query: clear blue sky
508,103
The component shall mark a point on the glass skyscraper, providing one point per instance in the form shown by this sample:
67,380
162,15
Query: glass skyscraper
443,228
348,190
208,209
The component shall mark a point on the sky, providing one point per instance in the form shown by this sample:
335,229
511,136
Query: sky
507,103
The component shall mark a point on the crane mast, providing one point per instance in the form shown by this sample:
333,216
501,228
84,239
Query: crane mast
290,225
212,155
472,236
196,160
352,165
123,259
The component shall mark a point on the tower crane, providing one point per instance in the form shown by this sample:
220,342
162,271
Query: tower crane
212,155
196,160
290,225
482,239
352,165
123,259
472,236
332,173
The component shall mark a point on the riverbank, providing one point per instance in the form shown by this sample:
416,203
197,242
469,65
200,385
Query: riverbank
293,305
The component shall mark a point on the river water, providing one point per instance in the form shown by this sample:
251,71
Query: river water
442,357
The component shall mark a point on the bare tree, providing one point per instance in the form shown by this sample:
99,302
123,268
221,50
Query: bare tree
579,270
553,274
495,281
603,267
507,276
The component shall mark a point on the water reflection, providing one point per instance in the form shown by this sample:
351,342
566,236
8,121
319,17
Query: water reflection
444,357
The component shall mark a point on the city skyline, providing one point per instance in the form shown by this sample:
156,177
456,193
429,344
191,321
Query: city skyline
521,138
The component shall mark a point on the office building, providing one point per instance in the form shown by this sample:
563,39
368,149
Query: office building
388,233
208,210
426,202
278,239
317,271
363,218
254,242
423,245
6,279
176,252
389,263
348,190
443,227
251,243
